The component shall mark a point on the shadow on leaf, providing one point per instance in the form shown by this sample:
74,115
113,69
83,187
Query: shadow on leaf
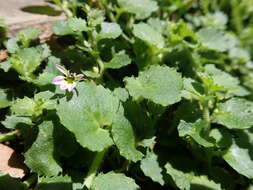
55,186
200,187
42,10
243,140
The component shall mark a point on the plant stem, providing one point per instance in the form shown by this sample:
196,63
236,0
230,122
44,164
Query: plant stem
64,6
31,180
206,115
95,53
205,6
100,63
8,136
101,66
94,168
236,18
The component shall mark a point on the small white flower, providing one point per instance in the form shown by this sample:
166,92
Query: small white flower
68,81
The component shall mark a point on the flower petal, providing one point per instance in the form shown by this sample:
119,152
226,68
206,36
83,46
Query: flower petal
64,86
79,76
71,86
61,69
58,80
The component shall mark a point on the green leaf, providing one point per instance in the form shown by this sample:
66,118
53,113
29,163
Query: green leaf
54,183
182,180
148,143
95,17
210,37
157,24
49,72
33,107
43,79
113,181
12,45
119,60
223,177
109,30
5,66
44,95
25,61
50,67
235,113
87,113
77,24
222,137
239,53
192,89
43,100
12,121
160,84
220,77
149,35
180,33
239,155
203,183
9,183
121,93
4,99
57,183
40,157
44,51
25,107
217,19
26,35
151,168
91,74
221,80
196,131
155,111
141,8
143,121
124,138
188,111
66,147
70,26
62,28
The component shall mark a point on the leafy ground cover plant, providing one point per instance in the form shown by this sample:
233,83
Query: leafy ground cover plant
137,94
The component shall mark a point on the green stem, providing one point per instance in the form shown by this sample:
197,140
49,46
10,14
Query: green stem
64,6
205,6
130,23
205,106
236,17
102,4
119,12
95,53
206,115
8,136
94,168
100,63
101,67
31,180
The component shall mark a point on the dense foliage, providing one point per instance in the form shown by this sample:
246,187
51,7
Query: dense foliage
164,100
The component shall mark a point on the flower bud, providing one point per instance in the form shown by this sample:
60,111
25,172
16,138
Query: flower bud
95,69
